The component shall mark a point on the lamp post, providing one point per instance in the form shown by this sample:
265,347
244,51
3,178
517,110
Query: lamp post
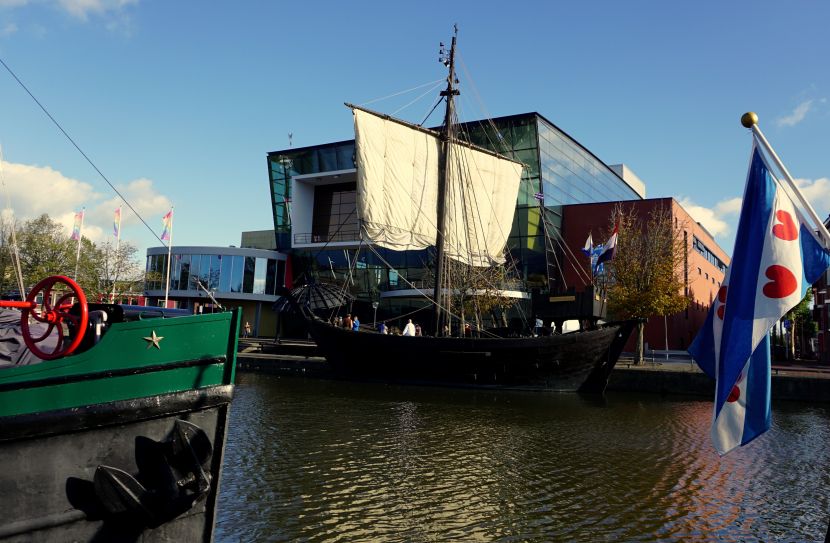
375,317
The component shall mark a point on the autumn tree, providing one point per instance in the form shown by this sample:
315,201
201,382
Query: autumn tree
645,278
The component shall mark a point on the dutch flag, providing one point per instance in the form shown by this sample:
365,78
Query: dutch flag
776,258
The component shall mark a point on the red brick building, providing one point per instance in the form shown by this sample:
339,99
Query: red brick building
703,272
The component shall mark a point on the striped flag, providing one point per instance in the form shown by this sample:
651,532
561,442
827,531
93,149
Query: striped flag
776,258
168,225
76,228
116,223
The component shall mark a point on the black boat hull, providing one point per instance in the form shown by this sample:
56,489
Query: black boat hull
557,363
49,462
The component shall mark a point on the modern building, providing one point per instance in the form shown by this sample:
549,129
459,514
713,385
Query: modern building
232,276
703,268
313,192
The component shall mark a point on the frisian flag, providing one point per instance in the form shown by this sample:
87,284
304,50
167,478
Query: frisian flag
167,220
776,258
589,246
76,228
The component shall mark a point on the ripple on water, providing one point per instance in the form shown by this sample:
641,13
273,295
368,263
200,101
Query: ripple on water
331,461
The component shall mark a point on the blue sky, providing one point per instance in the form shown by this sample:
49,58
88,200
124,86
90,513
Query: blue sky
178,103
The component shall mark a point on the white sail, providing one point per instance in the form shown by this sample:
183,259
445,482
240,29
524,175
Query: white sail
397,192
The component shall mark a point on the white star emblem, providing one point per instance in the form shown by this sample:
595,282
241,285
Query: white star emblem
153,340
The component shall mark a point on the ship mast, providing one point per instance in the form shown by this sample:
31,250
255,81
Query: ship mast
443,169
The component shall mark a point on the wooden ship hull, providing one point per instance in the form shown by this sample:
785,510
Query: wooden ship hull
577,361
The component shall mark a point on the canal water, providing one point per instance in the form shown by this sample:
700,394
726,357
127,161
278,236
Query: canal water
317,460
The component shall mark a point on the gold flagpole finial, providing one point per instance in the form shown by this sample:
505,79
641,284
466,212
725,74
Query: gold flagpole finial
749,119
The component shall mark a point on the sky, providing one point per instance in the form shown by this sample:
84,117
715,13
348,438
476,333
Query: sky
178,103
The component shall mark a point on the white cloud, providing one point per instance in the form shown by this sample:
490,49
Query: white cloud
7,30
817,193
719,220
722,220
34,190
798,114
83,8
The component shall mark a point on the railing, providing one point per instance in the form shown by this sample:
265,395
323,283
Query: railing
343,235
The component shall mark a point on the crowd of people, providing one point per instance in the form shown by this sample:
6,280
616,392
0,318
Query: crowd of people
352,322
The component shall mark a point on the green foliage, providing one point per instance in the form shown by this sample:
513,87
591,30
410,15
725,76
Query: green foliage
45,249
645,278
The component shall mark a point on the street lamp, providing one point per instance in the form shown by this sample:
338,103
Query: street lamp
375,317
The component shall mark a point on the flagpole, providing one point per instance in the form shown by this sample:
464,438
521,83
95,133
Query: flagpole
80,235
750,120
117,247
169,251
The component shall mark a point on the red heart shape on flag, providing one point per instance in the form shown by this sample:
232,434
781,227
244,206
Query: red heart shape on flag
722,300
786,229
782,284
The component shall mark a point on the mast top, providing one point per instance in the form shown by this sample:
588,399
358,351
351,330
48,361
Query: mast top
749,119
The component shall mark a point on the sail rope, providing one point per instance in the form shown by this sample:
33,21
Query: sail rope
436,83
14,250
83,154
428,91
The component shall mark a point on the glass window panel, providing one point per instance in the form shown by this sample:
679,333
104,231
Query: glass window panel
225,274
195,267
237,271
260,272
524,135
270,276
215,269
248,277
174,272
184,276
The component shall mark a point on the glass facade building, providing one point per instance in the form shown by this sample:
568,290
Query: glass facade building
314,213
235,277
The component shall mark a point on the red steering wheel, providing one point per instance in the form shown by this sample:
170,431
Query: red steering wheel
58,294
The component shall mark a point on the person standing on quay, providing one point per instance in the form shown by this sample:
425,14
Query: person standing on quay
356,324
247,330
409,329
347,321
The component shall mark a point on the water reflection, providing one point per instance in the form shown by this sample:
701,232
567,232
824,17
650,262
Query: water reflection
333,461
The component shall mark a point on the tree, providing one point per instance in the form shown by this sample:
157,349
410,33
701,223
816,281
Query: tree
46,249
645,278
118,268
802,326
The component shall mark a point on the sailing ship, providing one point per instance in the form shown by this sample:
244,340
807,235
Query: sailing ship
419,188
113,418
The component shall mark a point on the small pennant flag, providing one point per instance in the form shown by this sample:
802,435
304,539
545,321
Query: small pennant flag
168,225
116,223
76,228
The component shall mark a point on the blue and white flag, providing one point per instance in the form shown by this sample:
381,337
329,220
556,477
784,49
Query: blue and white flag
776,258
589,246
